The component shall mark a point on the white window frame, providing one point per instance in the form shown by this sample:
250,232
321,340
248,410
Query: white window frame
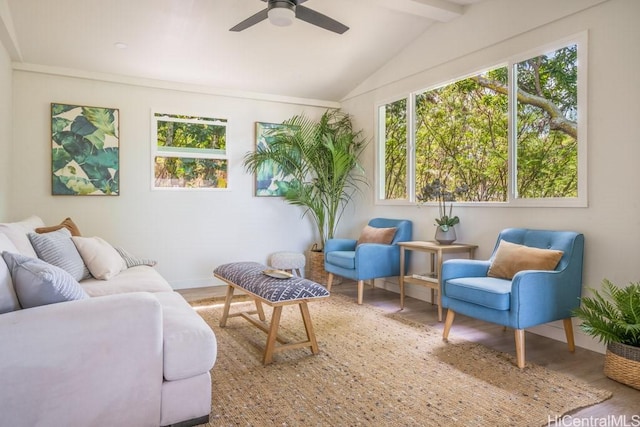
194,153
581,40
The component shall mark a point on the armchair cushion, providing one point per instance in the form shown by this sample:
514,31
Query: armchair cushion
510,258
344,259
383,235
485,291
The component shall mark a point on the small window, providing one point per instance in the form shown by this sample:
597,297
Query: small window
461,138
189,152
394,129
546,127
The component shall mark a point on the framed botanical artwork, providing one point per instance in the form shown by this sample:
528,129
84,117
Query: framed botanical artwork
85,144
270,179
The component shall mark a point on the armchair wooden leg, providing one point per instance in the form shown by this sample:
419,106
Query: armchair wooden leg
329,281
568,331
360,291
520,348
447,324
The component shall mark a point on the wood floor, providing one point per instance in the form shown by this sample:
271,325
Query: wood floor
586,365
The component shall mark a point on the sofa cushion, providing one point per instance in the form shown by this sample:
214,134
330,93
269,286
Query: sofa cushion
510,258
189,344
8,299
486,291
377,235
56,248
67,223
137,279
38,283
17,233
102,260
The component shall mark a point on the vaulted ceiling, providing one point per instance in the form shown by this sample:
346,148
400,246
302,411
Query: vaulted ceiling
189,41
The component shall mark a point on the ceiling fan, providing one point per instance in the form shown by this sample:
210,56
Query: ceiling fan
282,12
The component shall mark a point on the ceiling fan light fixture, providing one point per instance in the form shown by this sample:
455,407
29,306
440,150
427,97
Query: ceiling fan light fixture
281,13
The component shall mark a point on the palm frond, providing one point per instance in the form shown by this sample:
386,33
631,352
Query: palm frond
322,157
612,314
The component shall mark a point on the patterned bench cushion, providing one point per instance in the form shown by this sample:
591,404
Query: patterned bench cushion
249,276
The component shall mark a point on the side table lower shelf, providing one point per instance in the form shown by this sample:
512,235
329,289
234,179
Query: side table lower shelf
432,283
431,279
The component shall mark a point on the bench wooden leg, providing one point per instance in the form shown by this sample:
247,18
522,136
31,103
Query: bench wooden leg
272,327
259,309
273,334
227,305
308,327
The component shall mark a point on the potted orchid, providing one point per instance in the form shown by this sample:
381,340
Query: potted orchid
437,191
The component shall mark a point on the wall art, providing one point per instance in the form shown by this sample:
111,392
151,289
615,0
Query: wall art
270,178
85,145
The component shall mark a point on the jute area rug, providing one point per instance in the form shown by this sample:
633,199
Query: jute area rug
376,369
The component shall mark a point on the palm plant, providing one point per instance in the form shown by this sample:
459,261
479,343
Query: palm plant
322,159
612,316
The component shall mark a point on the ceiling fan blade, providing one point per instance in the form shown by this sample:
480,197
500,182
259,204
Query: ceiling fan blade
320,20
252,20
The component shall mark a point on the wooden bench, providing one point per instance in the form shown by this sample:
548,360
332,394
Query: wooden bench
249,278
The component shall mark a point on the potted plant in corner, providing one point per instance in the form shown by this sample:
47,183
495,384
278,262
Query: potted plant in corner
445,223
322,158
613,317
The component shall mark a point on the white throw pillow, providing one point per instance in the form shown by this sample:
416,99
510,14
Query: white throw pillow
17,233
8,299
102,260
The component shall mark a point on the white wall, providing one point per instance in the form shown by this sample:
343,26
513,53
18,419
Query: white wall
611,223
188,232
5,130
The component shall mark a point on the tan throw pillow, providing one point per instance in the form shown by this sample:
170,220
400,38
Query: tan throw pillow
67,223
377,235
102,260
511,258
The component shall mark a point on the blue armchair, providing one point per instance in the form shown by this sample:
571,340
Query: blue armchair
531,297
365,261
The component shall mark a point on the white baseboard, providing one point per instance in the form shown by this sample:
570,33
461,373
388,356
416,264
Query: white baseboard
196,283
553,330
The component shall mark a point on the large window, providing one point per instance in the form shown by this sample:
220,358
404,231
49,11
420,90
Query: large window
508,134
189,152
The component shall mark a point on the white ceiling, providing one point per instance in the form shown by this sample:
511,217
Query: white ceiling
189,41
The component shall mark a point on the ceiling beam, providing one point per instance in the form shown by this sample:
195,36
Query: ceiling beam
439,10
7,32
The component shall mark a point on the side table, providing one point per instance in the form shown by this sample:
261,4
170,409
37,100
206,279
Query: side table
432,278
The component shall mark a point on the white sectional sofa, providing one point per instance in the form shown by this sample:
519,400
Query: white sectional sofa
131,352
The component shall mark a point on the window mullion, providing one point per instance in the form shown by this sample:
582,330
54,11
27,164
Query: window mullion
512,133
411,147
